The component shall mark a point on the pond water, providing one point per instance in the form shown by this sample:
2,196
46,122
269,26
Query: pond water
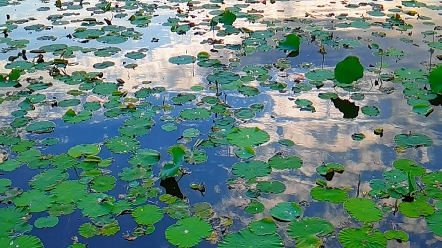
220,123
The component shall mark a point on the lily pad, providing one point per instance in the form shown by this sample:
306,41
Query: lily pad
362,209
251,169
286,211
349,70
188,232
147,215
246,238
264,226
247,137
413,140
362,237
329,194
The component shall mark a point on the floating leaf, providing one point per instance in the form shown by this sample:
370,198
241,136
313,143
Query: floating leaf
84,150
103,183
362,237
41,127
147,215
435,80
398,235
364,210
48,179
413,140
254,207
328,194
46,222
188,232
286,211
416,209
280,163
371,110
88,230
409,166
122,144
349,70
246,238
274,187
251,169
291,43
309,229
264,226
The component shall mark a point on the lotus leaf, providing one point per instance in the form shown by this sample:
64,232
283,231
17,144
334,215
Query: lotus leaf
416,209
254,207
306,231
247,136
45,222
435,80
147,215
246,238
195,114
329,194
364,210
202,210
349,70
274,187
280,163
291,43
121,144
264,226
24,241
103,183
35,200
251,169
398,235
84,150
69,191
88,230
413,140
144,157
188,232
48,179
286,211
41,127
409,166
362,237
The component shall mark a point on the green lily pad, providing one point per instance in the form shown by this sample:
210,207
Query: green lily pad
188,232
286,142
88,230
398,235
254,207
435,80
251,169
69,191
409,166
264,226
41,127
246,238
147,215
292,42
247,137
24,241
280,163
362,237
370,110
274,187
195,114
46,222
122,144
349,70
433,223
103,183
416,209
182,59
413,140
308,230
84,150
329,194
286,211
364,210
35,200
48,179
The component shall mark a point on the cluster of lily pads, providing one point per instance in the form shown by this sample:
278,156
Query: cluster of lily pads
82,179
